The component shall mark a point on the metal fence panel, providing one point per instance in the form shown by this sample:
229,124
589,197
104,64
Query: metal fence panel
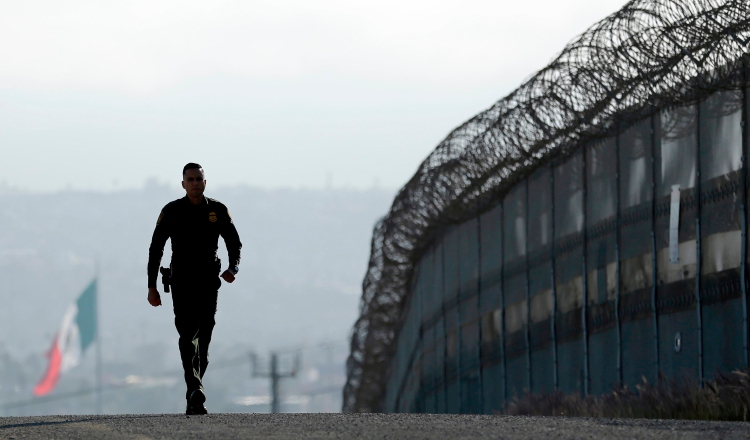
568,197
568,221
514,224
638,362
516,376
492,258
601,181
601,228
675,162
453,398
720,145
722,337
540,333
542,378
570,355
492,388
635,165
493,379
678,344
540,210
439,283
469,261
515,289
451,267
451,261
540,279
720,134
469,309
603,361
636,259
427,323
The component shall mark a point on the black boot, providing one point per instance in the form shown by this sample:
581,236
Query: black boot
195,403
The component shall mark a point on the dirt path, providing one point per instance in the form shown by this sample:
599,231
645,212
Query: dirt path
358,426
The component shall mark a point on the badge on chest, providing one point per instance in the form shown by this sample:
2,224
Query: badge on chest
212,217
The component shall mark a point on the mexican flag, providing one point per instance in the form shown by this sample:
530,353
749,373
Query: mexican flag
76,333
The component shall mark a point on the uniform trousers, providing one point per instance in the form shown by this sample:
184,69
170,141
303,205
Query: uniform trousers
194,303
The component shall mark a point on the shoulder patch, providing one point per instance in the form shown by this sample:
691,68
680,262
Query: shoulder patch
161,215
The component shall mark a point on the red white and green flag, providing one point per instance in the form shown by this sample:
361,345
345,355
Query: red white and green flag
76,333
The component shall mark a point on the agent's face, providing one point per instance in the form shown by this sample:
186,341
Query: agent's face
193,182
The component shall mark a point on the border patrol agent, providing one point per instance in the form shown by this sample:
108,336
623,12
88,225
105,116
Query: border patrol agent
194,224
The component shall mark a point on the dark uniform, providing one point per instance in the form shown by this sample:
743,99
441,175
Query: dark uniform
194,231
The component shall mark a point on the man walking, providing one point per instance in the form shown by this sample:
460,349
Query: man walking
194,224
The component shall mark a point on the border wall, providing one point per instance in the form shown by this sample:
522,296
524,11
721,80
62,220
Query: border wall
587,230
598,270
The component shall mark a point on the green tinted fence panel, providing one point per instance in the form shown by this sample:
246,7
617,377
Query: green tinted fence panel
720,146
675,151
635,146
601,253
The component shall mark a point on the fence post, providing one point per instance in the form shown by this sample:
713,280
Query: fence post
529,382
698,256
445,328
479,311
654,272
743,213
584,306
459,324
502,302
618,237
553,243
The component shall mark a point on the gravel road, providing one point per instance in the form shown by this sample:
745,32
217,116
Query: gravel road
359,426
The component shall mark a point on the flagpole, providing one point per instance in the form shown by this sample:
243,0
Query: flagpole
99,396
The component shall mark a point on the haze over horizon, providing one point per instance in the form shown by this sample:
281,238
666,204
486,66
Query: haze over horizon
98,96
303,258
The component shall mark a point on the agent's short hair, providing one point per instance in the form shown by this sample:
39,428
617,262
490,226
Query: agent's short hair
191,166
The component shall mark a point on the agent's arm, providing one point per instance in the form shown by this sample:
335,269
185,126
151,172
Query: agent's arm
155,252
234,246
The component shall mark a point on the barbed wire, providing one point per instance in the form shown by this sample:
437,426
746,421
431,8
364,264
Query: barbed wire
650,55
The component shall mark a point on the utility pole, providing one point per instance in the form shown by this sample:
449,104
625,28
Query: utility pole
273,374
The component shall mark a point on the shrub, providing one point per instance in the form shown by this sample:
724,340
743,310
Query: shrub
725,397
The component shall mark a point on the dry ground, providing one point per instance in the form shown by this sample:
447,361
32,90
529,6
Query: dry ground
354,426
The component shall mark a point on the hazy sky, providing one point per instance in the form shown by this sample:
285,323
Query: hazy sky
105,95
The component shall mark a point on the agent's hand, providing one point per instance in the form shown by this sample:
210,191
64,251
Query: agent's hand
228,276
153,297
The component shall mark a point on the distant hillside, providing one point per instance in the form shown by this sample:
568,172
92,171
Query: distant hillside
305,253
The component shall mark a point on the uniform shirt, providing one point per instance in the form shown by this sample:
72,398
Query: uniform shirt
194,231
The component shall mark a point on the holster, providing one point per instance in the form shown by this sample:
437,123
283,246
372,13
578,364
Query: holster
166,277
